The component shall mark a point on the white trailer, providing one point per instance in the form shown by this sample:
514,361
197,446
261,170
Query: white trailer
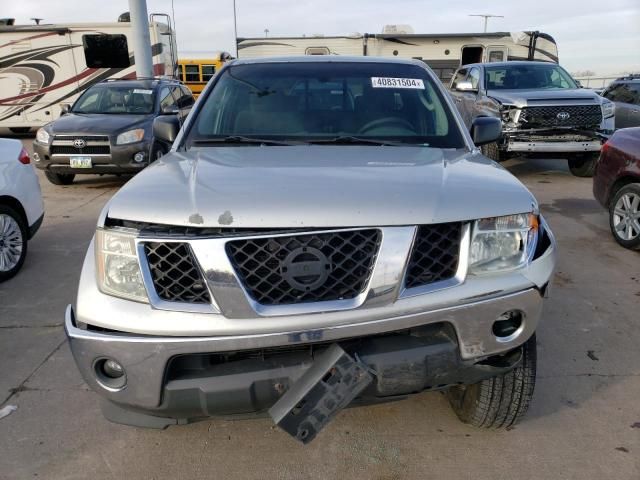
443,52
42,66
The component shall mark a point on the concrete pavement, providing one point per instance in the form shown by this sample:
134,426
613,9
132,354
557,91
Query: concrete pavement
584,422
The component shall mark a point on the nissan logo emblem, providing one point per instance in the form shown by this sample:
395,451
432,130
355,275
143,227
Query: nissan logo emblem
305,268
79,143
563,116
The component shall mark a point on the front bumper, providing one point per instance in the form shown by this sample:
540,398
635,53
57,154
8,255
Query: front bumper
119,160
540,146
102,327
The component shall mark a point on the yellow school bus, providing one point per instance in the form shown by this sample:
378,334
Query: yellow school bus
196,72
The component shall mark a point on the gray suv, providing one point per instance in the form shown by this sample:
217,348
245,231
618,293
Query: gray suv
625,93
544,112
109,129
324,231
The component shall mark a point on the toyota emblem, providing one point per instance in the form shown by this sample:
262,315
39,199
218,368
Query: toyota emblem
563,116
79,143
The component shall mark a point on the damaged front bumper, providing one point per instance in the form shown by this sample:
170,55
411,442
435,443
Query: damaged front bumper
422,342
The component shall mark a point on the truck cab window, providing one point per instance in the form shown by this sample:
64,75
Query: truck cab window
106,51
474,77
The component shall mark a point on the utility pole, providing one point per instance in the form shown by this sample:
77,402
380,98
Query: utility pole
235,28
266,32
141,39
486,18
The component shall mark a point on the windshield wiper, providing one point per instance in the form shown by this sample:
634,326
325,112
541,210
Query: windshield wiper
242,139
353,140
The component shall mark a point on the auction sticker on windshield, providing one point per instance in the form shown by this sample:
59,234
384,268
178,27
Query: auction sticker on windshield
391,82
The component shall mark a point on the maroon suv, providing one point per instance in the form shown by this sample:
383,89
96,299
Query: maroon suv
616,185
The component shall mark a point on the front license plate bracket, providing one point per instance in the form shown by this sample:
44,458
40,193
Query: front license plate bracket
328,386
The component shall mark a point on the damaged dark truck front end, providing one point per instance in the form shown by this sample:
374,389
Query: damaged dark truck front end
543,110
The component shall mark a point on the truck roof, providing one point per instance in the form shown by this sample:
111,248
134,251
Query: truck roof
328,59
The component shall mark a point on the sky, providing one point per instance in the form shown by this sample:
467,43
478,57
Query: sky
601,36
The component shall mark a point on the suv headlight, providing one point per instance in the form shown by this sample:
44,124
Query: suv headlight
131,136
117,266
608,109
42,136
502,243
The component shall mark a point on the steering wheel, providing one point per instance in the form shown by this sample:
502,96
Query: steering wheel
386,121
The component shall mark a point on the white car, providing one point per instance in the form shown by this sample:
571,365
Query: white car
21,207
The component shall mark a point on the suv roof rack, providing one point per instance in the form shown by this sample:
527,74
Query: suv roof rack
632,76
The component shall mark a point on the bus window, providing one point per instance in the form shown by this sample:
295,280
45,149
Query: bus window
208,71
192,73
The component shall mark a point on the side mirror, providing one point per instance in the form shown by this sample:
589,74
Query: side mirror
465,87
64,108
166,128
486,130
170,110
579,84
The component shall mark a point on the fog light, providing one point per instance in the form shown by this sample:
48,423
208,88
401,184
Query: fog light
110,374
113,369
139,157
508,325
36,157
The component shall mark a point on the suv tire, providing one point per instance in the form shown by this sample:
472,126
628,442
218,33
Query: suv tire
498,402
60,178
13,224
491,150
583,164
626,206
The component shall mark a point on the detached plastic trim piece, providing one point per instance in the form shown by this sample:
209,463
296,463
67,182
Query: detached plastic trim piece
331,383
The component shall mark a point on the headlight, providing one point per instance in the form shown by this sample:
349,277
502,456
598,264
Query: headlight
505,113
608,109
117,265
131,136
42,136
502,243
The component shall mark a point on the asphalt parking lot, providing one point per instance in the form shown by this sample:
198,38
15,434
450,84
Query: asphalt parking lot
584,422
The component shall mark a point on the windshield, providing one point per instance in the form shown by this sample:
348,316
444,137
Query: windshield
327,101
530,76
115,99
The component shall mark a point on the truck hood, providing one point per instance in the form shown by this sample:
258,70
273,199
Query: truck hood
560,96
319,186
94,123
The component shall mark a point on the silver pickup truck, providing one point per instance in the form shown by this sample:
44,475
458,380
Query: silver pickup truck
544,111
325,231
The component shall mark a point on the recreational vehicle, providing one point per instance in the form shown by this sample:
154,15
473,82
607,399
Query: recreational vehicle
443,52
42,66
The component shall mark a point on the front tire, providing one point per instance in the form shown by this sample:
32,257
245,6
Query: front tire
60,178
624,216
498,402
491,150
583,164
13,242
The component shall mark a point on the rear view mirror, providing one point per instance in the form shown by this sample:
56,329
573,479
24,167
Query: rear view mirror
166,128
486,130
170,110
465,87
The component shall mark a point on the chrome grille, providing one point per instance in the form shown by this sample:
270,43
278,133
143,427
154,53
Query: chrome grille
555,116
88,150
94,145
272,270
176,276
435,254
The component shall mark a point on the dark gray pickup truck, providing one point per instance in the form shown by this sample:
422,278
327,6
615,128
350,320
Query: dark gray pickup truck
544,111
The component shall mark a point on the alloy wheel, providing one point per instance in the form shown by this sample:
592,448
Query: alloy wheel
626,216
11,243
